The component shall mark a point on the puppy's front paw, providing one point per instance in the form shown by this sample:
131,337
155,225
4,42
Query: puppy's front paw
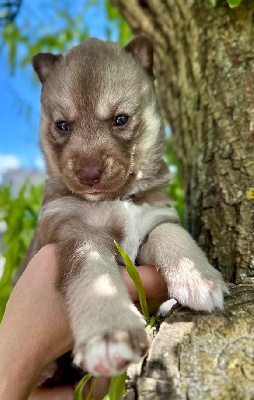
201,291
110,354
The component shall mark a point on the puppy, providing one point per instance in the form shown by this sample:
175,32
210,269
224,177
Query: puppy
103,142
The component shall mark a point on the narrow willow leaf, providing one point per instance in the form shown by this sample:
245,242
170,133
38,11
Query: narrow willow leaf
88,397
133,272
151,323
214,2
234,3
117,386
78,395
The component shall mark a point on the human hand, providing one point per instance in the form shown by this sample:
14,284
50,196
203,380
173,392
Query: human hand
35,329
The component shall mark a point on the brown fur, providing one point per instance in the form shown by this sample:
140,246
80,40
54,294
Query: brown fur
88,87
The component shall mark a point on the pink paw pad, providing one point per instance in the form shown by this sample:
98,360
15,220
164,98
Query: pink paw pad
110,355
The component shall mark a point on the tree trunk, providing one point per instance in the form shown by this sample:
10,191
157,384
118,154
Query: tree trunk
198,356
205,71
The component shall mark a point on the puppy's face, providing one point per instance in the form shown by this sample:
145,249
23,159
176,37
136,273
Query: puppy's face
99,120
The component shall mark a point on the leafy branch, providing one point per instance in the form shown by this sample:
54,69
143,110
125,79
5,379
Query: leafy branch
24,38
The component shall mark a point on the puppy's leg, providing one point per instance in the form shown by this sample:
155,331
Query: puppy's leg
108,330
191,279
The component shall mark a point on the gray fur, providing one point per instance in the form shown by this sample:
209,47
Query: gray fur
88,87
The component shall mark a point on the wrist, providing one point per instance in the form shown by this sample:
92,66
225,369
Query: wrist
16,381
19,372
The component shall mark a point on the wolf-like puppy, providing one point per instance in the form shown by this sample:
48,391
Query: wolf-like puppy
103,141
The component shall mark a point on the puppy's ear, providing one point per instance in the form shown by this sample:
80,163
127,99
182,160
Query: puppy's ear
142,50
44,63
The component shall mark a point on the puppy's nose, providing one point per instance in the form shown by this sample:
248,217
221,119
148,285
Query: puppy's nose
89,175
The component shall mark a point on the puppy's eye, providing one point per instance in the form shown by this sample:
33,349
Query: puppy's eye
62,126
120,120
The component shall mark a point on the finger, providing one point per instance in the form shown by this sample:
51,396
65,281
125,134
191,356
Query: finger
153,282
100,390
58,393
154,304
35,329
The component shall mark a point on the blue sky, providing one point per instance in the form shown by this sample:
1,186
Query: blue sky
20,93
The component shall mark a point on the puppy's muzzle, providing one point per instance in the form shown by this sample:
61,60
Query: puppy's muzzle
89,175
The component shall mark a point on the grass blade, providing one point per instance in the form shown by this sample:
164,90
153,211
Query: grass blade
88,397
78,395
133,272
117,386
151,323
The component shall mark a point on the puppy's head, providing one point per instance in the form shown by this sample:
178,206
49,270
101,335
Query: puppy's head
99,122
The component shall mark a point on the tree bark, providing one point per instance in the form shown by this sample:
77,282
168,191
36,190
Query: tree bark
198,356
205,71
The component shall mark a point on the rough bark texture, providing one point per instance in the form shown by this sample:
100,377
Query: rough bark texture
197,356
205,71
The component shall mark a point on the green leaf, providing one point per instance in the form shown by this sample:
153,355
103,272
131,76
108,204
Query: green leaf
133,272
231,3
175,188
124,32
88,397
118,24
151,323
234,3
214,2
78,395
20,214
117,386
112,12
